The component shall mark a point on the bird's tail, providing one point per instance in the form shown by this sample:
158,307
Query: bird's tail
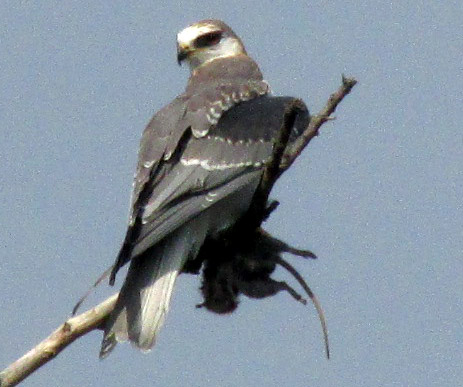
145,296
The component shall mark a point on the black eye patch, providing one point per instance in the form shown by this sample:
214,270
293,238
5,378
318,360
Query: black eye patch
208,40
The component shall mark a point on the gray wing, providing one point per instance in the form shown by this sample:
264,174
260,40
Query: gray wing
204,186
179,177
158,142
210,168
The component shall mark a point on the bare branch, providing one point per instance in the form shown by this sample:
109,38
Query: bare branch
316,122
93,319
71,330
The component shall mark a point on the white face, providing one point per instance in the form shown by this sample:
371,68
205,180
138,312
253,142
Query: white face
202,43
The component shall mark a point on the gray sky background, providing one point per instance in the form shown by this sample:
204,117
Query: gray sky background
378,195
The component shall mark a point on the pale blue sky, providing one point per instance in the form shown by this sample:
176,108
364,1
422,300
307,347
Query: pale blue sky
378,195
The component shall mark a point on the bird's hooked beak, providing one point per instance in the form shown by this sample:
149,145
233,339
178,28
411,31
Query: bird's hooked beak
182,53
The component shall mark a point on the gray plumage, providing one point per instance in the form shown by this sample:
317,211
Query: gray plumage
201,159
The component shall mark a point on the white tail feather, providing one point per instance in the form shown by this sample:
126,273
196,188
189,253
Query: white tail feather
155,298
145,297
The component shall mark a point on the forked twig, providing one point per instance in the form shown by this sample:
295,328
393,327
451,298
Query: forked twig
316,122
100,279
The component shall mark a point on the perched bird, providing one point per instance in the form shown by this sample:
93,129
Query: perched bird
201,159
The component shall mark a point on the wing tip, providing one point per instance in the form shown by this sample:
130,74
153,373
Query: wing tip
108,345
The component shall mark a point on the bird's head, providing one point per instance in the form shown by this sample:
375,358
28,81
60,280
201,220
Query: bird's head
204,41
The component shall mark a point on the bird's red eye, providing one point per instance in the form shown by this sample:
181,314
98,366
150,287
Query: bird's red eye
208,40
